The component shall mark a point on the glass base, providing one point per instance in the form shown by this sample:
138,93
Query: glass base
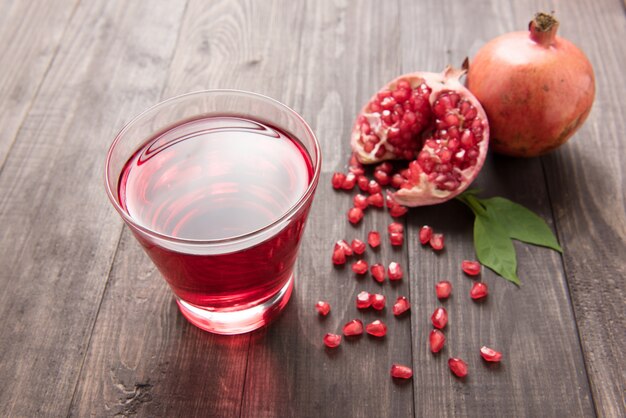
237,322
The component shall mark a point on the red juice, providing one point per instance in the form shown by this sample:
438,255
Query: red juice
211,180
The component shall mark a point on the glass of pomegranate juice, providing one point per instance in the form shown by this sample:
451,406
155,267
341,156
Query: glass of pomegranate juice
216,186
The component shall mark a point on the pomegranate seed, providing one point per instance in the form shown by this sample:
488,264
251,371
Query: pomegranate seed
378,272
358,246
437,340
354,161
394,271
332,340
363,183
363,300
439,318
360,201
398,210
347,249
397,180
349,182
339,255
378,301
491,355
374,187
396,238
354,327
395,227
377,328
471,268
479,290
443,289
373,239
381,177
401,306
337,180
401,372
436,242
323,308
357,171
385,167
458,366
360,267
426,233
376,200
355,215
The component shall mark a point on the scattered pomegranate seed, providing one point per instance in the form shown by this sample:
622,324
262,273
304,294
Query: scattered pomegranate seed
378,301
395,227
437,340
339,255
354,161
363,183
439,318
394,271
347,249
385,167
349,182
401,306
436,242
458,366
491,355
363,300
426,233
396,238
398,210
360,201
337,180
332,340
378,272
479,290
358,246
401,372
374,187
358,171
376,200
323,308
471,268
355,215
381,177
373,239
443,289
397,180
360,267
377,328
354,327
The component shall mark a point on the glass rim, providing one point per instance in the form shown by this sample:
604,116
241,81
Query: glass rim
317,162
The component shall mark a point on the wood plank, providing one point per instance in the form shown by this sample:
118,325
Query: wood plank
585,180
59,232
29,37
543,372
290,373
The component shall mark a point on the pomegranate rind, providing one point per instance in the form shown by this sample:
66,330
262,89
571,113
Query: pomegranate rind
423,191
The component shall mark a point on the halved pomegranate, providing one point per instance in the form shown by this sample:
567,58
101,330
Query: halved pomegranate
432,120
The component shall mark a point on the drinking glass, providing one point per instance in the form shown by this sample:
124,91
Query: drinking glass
225,281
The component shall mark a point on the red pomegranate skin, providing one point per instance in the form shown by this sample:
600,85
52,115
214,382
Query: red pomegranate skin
536,87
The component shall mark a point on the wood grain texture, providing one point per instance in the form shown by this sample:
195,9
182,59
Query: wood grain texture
290,373
59,233
533,326
92,328
586,185
29,38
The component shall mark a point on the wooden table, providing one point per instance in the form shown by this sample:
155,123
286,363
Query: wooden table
88,326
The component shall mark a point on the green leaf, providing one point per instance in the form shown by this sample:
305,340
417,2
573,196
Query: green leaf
520,223
494,248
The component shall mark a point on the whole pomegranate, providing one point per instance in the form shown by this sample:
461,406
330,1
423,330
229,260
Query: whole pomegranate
433,121
536,87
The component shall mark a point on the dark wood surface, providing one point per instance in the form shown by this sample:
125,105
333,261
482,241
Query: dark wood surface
88,326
